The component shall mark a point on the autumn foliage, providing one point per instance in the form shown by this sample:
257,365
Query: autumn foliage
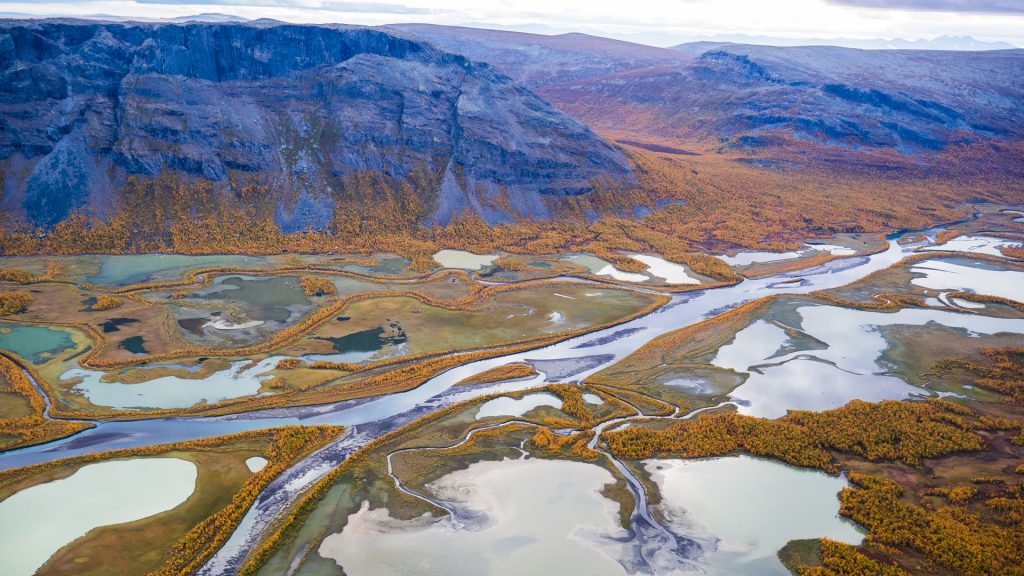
953,536
33,427
838,559
889,430
1002,371
513,371
105,302
316,286
13,302
15,275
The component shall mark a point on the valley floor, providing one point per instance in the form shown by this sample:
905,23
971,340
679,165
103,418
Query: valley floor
355,408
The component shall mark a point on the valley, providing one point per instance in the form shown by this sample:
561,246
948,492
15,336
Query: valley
412,299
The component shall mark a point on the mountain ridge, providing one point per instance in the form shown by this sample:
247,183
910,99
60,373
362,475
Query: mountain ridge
86,104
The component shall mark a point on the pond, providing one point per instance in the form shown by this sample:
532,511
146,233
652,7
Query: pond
505,406
118,270
752,507
942,275
671,272
542,517
256,463
976,244
37,344
243,378
464,260
274,299
599,267
38,521
844,364
748,258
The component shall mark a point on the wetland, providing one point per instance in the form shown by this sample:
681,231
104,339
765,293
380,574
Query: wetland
513,417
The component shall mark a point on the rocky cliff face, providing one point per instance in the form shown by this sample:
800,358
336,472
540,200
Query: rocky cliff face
84,104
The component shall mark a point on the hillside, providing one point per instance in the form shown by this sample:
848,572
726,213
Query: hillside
845,104
905,101
306,110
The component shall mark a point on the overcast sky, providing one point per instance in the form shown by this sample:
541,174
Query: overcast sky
652,21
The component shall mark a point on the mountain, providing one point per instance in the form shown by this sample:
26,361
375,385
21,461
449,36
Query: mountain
761,97
539,60
83,105
212,17
908,101
958,43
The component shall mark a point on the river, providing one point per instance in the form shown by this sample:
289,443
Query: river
571,361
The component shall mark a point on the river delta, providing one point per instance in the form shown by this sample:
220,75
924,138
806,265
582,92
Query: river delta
421,466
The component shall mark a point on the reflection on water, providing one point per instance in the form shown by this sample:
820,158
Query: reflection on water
671,272
943,275
136,268
599,267
752,507
542,517
134,344
243,378
370,418
847,368
464,260
38,521
976,244
506,406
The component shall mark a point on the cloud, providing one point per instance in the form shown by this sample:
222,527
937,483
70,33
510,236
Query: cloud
977,6
329,5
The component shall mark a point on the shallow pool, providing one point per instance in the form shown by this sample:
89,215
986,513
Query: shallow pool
753,507
846,368
117,270
671,272
40,520
464,260
243,378
505,406
943,275
976,245
37,344
542,517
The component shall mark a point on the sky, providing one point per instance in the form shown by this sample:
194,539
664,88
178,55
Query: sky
656,22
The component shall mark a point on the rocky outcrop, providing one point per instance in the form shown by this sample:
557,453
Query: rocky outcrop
84,104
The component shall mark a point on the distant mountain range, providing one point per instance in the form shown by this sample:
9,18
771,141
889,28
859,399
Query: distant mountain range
538,60
959,43
909,101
